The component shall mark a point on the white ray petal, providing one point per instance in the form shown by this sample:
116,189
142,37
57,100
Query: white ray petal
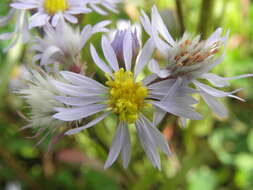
101,64
116,145
109,54
128,49
126,149
214,104
72,114
88,125
144,57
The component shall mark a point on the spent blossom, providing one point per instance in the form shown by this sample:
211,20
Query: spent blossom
191,59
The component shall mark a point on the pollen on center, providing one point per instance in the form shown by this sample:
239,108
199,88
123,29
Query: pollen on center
54,6
127,97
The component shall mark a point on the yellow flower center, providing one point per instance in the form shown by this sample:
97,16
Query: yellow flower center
54,6
126,96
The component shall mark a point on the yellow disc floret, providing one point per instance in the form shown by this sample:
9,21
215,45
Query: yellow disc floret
54,6
126,96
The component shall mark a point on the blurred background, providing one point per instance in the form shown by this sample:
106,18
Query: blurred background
211,154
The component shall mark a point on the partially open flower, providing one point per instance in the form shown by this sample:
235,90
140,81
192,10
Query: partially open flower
117,44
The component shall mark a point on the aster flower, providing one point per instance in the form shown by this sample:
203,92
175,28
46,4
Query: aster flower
124,96
191,59
51,10
63,44
40,96
20,32
103,6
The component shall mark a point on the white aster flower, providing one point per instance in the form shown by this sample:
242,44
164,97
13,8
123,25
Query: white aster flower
40,96
103,6
51,10
21,31
63,43
191,59
124,96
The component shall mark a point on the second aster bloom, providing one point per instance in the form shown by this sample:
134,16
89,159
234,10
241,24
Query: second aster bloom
50,10
192,59
124,96
64,43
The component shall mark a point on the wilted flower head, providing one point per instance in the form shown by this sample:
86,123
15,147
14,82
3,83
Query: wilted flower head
125,96
191,59
63,43
40,97
50,10
118,45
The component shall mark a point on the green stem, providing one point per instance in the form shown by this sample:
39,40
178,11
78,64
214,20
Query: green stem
206,18
180,16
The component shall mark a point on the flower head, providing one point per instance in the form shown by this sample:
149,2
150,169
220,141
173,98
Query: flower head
63,44
50,10
40,96
191,59
123,95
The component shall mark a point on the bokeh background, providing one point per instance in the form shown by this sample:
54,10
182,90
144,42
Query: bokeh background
211,154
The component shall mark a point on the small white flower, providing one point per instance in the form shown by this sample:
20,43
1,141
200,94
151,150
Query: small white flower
101,6
125,97
51,10
63,44
40,96
191,59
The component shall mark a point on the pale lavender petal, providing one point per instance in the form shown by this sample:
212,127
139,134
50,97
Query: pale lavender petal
128,49
215,79
216,93
72,114
148,144
101,64
79,101
79,79
117,145
144,57
160,26
156,134
214,104
126,148
155,68
88,125
109,54
70,18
